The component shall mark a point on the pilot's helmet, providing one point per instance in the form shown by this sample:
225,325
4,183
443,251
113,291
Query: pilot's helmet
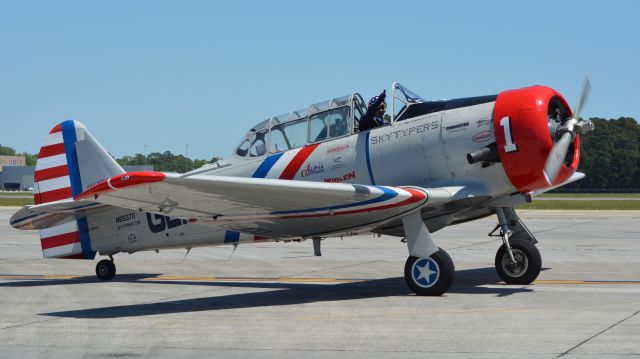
383,105
373,100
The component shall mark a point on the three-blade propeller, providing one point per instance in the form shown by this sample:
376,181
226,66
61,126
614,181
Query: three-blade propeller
559,151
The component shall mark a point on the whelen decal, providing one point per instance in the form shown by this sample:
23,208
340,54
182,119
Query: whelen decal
348,176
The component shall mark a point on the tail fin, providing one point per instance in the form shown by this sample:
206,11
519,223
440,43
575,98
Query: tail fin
69,240
70,161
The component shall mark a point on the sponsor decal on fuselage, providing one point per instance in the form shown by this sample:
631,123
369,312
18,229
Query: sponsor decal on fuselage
127,220
337,164
457,127
132,237
338,149
345,177
311,170
483,136
387,137
126,217
159,223
483,123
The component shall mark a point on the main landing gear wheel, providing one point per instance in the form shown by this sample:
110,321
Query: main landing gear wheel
527,266
429,276
105,269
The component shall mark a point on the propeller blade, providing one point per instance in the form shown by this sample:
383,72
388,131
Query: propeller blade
559,151
556,157
586,89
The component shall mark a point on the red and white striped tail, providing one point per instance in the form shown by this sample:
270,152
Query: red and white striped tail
70,161
70,241
51,177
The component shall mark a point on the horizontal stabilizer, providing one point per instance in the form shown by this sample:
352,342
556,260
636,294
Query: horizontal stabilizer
51,214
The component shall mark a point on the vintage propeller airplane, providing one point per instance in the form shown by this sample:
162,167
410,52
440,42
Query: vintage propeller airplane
315,173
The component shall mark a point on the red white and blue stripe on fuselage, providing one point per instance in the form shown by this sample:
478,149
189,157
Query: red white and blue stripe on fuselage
284,165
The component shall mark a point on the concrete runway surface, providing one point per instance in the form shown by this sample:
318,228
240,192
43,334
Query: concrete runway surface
277,300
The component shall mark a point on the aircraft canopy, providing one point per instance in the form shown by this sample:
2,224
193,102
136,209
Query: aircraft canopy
318,122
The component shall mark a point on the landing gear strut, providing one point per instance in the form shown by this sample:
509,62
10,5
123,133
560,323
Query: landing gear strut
106,269
518,260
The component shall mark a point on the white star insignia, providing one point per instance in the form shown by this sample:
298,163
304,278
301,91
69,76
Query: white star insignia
425,272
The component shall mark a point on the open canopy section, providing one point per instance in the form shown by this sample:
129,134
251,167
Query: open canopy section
402,99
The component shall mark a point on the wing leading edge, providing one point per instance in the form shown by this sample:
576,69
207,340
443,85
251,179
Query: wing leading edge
269,207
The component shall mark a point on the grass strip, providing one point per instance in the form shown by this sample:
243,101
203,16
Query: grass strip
589,195
16,201
14,194
583,205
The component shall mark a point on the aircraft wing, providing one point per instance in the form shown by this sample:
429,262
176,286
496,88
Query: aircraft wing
268,207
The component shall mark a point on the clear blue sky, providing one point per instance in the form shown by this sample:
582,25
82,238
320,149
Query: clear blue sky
169,74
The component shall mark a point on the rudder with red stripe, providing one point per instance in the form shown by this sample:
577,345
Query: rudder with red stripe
70,240
70,161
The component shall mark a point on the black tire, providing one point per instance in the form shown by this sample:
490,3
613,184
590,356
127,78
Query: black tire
105,269
439,278
528,263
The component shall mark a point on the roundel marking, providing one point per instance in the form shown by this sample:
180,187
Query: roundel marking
425,272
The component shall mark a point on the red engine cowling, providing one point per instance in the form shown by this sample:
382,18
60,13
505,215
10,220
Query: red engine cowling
521,123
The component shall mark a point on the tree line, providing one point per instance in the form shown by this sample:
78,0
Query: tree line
610,156
164,162
161,161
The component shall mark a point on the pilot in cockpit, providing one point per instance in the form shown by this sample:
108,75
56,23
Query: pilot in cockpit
375,113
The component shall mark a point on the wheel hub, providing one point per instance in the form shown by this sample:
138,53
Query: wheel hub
425,272
519,267
103,270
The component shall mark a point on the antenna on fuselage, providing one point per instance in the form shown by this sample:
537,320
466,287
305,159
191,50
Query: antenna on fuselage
235,246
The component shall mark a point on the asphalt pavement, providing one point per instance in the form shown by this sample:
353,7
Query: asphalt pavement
277,300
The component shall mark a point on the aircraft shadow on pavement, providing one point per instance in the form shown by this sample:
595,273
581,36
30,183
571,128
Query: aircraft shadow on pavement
469,281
